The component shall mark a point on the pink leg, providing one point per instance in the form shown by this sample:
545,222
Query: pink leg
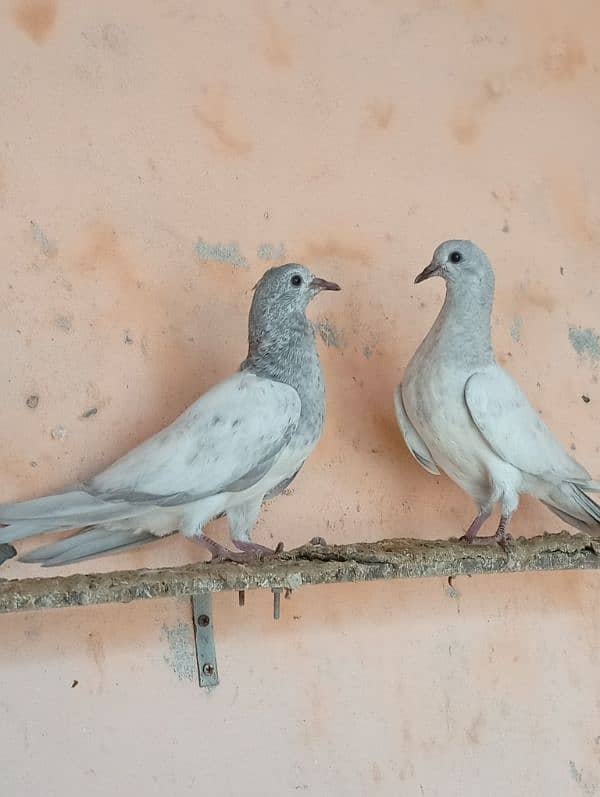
256,550
222,554
502,537
473,529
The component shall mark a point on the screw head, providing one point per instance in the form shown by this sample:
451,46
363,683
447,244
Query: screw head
208,669
203,620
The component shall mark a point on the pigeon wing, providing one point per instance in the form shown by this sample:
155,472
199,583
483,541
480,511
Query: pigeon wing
514,430
413,440
226,441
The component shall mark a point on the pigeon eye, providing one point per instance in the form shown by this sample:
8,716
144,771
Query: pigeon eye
455,257
296,280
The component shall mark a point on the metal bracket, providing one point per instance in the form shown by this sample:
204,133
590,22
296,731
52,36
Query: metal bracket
206,656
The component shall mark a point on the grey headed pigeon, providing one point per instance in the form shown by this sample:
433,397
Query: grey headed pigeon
241,442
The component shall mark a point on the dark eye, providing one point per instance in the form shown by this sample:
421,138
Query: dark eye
296,280
455,257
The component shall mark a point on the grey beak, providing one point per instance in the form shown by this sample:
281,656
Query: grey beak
324,285
431,271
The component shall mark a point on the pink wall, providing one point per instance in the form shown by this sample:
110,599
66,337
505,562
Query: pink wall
353,137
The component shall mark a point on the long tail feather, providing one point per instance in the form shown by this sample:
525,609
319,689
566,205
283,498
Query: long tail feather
60,513
571,504
94,541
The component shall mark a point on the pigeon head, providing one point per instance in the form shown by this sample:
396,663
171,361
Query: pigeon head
279,333
285,290
460,262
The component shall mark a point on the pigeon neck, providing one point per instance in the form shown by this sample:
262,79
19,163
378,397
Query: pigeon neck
285,351
464,322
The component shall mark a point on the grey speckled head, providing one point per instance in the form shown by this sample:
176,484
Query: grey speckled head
462,263
282,293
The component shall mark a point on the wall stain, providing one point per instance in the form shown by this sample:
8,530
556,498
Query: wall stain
277,50
562,59
559,60
35,18
48,247
214,114
474,730
465,126
334,248
330,335
381,114
181,657
268,251
536,295
585,342
221,253
64,322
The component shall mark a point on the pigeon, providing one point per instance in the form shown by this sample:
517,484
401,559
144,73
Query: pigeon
461,413
241,442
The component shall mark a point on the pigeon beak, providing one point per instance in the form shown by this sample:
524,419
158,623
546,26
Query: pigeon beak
324,285
432,270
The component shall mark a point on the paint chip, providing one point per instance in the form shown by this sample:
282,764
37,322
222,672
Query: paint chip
221,253
585,342
58,433
181,657
269,251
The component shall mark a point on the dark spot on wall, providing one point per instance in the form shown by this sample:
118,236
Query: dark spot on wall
32,401
36,18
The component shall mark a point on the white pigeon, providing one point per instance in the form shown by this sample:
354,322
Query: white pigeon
241,442
461,413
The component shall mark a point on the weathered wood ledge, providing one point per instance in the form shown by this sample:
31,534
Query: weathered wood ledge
309,564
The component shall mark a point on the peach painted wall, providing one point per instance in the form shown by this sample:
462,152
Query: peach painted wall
155,157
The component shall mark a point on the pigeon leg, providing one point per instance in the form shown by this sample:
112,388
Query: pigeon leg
256,550
222,554
475,526
502,537
241,522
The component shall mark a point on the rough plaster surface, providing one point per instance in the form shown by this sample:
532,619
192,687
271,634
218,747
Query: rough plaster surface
353,137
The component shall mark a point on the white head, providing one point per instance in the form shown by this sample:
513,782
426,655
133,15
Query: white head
461,263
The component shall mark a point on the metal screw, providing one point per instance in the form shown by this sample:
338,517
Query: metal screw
208,669
276,603
203,620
